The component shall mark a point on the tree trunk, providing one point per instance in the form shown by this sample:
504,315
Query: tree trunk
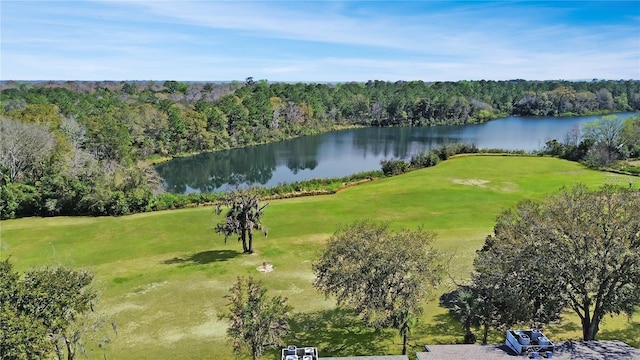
244,241
590,328
485,334
404,344
468,335
70,354
57,350
250,249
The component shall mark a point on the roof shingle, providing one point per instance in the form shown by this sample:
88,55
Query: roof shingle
569,350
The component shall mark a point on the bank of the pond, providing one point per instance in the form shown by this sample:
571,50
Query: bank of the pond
342,153
326,186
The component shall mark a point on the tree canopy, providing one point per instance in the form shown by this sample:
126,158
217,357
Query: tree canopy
382,274
242,217
578,250
42,312
256,322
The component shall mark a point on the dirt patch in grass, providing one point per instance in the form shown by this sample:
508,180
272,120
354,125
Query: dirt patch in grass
213,327
145,289
470,182
265,268
125,306
171,336
508,187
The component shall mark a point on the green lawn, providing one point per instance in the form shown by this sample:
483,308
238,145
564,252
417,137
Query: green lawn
163,276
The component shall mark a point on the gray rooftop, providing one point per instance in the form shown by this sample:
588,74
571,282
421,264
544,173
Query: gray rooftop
384,357
569,350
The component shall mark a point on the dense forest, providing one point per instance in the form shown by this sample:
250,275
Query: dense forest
85,147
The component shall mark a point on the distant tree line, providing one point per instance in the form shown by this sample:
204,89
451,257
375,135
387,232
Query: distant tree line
142,119
71,148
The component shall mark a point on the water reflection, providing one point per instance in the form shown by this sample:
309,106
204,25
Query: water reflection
346,152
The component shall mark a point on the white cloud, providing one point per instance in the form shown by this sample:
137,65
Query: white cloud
308,41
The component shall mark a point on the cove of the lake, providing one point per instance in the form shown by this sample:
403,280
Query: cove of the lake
346,152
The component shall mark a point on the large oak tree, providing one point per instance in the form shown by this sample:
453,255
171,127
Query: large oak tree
44,312
577,250
382,274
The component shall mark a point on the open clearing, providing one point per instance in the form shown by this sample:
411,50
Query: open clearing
163,276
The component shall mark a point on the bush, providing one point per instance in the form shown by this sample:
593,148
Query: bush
18,200
446,151
169,201
118,204
394,167
139,200
426,158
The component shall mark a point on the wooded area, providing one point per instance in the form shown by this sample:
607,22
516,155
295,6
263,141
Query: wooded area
73,148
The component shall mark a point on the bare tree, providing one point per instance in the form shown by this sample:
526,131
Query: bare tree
24,148
606,136
79,160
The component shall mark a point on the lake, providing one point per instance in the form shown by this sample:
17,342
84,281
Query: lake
346,152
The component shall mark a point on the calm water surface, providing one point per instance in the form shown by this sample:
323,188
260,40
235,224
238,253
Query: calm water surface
346,152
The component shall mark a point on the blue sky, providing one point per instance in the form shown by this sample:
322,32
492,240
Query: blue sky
319,41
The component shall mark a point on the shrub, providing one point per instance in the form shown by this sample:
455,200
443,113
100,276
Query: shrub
425,159
394,167
18,200
168,201
446,151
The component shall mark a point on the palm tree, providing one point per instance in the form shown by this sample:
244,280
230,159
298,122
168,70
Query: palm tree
464,308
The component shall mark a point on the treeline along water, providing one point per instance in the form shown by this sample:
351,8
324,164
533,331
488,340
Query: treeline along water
346,152
82,148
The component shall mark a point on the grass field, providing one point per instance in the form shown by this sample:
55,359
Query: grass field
163,276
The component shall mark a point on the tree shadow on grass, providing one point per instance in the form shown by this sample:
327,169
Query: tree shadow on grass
565,327
630,334
204,257
337,332
448,299
440,326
